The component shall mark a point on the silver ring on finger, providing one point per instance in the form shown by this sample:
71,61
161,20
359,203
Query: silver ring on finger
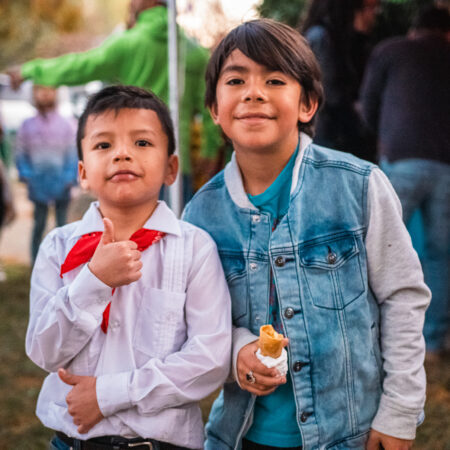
250,377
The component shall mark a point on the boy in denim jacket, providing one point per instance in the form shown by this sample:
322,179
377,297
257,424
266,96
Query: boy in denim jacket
312,241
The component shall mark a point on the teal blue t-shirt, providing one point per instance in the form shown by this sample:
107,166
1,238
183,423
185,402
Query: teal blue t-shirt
274,421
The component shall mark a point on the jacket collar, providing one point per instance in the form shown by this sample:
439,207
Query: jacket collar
235,184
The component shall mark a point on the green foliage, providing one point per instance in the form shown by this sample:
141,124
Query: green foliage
287,11
25,23
395,17
46,28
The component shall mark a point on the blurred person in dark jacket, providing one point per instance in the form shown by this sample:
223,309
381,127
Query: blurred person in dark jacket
339,33
406,100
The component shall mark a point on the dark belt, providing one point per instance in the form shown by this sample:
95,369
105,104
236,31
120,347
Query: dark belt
115,443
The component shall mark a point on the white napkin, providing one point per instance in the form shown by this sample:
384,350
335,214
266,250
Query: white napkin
279,363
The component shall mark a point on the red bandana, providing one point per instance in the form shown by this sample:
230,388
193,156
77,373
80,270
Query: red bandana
85,247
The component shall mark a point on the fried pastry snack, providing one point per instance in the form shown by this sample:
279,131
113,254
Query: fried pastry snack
270,342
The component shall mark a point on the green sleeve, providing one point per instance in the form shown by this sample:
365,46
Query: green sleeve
101,63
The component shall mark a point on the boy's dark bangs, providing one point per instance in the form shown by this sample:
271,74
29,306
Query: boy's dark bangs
264,48
118,97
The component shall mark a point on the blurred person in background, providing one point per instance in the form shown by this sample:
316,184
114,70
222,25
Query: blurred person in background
339,33
46,160
139,57
406,100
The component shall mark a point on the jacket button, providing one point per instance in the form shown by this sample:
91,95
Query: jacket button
279,261
304,416
298,366
289,313
332,258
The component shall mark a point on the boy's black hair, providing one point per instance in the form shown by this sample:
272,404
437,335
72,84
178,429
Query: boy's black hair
115,98
275,46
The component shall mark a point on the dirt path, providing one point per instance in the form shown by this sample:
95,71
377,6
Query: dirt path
16,238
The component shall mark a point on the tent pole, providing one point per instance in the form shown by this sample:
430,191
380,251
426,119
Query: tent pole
175,197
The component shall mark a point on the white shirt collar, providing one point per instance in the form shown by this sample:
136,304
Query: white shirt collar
235,184
163,219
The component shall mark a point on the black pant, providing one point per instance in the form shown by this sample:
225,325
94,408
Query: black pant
249,445
63,442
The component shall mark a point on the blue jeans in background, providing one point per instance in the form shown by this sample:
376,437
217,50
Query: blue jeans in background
424,185
40,220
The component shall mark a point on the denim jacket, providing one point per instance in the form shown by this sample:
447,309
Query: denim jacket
317,255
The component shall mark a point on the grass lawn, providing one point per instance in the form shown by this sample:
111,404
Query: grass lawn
20,381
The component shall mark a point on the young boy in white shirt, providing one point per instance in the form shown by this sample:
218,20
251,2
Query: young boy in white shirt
130,311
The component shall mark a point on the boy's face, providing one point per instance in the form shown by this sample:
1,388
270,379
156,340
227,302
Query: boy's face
125,159
258,108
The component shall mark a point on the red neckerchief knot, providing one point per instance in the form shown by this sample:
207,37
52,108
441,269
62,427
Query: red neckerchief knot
84,249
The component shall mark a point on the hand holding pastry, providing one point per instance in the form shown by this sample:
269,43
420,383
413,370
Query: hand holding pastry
253,376
271,352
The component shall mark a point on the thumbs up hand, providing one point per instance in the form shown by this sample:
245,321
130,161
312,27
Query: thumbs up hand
82,402
115,263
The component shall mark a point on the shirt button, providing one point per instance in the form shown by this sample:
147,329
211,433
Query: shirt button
279,261
332,258
256,218
253,266
304,416
115,324
298,366
289,313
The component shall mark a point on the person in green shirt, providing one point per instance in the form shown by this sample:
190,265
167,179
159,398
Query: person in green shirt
139,57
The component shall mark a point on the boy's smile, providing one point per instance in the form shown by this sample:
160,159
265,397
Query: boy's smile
125,158
258,108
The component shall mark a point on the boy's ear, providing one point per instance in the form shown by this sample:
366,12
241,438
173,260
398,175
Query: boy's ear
172,170
82,176
307,109
214,113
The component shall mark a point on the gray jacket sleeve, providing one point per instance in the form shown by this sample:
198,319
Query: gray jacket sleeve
396,279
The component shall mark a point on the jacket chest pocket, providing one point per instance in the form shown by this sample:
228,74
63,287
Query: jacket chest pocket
332,271
160,325
236,276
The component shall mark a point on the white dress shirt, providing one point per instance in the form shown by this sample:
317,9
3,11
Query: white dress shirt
168,341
